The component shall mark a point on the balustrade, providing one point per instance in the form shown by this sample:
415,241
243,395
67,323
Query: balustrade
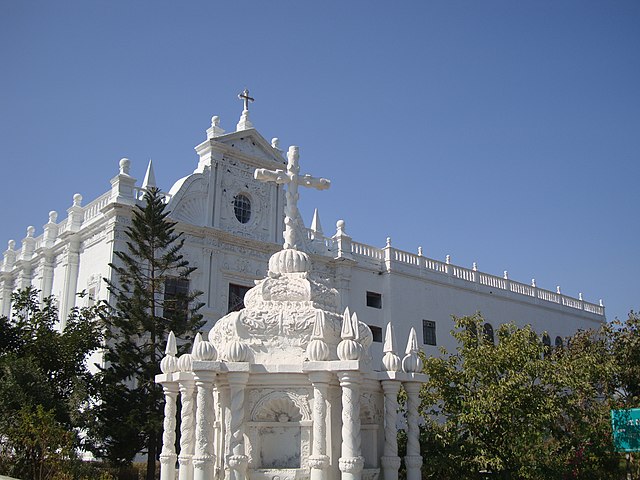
467,274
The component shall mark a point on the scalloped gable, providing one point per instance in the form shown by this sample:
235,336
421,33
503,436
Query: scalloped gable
251,143
188,198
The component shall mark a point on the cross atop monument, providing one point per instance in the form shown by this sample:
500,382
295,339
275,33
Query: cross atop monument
293,179
246,98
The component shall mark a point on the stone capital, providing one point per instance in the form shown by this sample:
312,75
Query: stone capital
349,378
320,377
390,387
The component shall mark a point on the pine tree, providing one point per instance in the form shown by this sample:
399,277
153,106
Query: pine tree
150,298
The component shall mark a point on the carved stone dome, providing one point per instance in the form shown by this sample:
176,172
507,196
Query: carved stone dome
289,260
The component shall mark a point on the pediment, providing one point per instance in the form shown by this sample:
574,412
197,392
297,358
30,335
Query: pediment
251,143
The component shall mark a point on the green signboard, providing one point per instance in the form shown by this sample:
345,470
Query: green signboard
626,429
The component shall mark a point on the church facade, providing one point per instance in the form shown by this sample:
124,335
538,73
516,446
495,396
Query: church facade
233,219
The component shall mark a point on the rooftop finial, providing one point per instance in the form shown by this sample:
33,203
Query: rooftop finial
246,98
149,177
390,361
124,164
215,130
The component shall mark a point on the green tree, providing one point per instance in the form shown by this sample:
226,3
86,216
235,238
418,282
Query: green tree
44,382
624,341
150,298
515,410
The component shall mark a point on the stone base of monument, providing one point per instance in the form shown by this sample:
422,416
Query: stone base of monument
286,389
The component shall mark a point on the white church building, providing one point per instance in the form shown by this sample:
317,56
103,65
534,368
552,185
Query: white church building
233,220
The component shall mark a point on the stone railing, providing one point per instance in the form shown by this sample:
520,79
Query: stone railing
391,256
367,251
93,208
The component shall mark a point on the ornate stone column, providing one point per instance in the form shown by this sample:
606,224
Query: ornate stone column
169,367
390,386
319,461
187,428
390,459
204,457
412,365
413,460
351,462
168,454
237,460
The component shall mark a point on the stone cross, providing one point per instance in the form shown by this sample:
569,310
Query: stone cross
293,179
246,98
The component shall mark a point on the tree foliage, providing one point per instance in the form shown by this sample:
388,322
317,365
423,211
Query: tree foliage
44,380
129,410
514,409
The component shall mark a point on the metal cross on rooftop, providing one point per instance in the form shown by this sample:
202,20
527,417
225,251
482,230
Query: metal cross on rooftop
246,98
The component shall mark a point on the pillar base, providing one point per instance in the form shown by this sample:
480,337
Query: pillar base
168,466
390,467
203,467
186,467
351,467
413,463
238,466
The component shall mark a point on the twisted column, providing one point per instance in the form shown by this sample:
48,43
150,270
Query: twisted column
413,460
187,430
390,459
351,461
168,454
319,461
204,457
237,460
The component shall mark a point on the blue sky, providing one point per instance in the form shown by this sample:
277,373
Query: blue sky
505,133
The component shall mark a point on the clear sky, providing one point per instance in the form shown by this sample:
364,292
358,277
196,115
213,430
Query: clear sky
505,133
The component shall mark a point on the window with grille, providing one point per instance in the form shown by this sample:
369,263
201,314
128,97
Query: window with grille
488,333
429,332
176,298
546,344
374,300
242,208
376,332
236,297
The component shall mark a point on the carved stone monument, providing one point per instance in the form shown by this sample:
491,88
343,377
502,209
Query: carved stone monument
286,388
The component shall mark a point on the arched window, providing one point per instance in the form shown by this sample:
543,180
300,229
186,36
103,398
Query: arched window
546,344
488,333
242,208
473,334
559,343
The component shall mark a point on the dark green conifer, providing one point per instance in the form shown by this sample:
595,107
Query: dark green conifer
150,298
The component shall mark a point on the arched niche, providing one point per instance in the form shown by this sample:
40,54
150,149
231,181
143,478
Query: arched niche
279,432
